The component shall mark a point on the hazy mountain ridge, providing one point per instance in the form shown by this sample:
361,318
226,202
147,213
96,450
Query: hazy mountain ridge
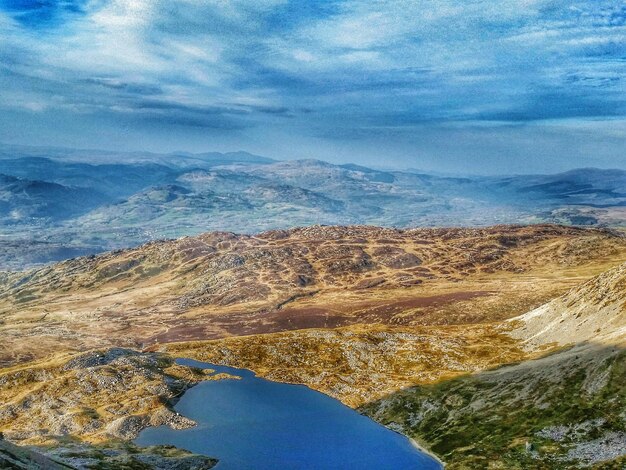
25,201
140,197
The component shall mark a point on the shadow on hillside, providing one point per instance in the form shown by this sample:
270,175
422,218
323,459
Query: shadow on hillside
564,406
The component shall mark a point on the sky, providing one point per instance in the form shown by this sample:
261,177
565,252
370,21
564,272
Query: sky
507,86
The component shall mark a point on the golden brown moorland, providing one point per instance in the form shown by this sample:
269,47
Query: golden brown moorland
363,314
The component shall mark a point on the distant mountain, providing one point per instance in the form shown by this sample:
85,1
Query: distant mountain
286,194
27,201
100,157
115,180
114,199
220,180
160,212
218,159
373,175
585,186
318,175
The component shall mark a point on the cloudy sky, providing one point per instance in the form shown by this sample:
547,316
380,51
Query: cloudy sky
502,86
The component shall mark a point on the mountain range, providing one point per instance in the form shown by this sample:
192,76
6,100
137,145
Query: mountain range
56,203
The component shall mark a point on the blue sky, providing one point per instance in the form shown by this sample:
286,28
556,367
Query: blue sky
473,86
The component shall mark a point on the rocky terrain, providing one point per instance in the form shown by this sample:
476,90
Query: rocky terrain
499,346
220,284
359,364
98,395
563,411
558,404
81,410
14,457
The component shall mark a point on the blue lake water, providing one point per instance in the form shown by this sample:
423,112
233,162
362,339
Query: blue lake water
253,423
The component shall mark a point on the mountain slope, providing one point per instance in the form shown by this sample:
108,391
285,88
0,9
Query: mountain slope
221,284
388,320
24,201
98,395
587,186
564,411
561,411
594,311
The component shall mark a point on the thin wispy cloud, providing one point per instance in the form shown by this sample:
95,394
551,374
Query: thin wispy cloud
302,78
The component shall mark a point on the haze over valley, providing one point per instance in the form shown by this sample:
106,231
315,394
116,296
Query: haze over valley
319,235
57,203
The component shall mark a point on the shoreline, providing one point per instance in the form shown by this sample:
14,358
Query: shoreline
416,444
413,442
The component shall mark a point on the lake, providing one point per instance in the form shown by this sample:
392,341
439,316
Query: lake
254,423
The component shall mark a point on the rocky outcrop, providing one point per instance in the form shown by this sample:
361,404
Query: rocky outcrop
98,395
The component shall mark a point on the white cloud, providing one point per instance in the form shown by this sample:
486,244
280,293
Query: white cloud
397,62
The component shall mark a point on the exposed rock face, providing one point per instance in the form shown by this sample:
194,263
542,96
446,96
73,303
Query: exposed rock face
111,456
98,395
594,311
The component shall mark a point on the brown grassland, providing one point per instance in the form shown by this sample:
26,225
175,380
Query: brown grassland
363,314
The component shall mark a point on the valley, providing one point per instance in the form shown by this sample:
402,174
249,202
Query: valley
388,321
60,203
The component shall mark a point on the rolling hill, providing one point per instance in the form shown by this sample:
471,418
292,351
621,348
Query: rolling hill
450,336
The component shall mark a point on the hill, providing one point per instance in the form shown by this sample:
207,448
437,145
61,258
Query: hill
446,335
221,284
